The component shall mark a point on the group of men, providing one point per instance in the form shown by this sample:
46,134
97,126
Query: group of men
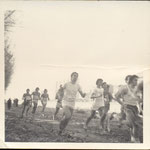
128,95
9,103
34,98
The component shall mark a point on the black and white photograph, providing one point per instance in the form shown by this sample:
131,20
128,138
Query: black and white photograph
75,73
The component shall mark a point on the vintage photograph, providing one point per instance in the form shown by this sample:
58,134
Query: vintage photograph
70,74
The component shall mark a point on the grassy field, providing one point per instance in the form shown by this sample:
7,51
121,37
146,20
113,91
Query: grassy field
44,129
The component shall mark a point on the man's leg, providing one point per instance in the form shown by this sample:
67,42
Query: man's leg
34,107
102,115
66,118
58,106
24,106
56,112
44,105
132,119
29,106
90,118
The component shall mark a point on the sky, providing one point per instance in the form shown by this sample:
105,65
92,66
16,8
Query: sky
51,41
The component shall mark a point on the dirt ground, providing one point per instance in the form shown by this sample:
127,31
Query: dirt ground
43,129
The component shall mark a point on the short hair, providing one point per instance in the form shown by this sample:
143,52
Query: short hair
37,88
27,89
74,73
104,83
128,76
132,78
98,81
45,90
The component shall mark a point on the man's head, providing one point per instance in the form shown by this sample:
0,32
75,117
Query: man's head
27,90
99,82
45,90
133,80
74,77
104,85
127,78
37,89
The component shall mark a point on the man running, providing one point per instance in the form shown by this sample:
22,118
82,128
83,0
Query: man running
36,97
98,105
130,99
27,102
107,99
44,99
122,114
70,92
59,97
107,96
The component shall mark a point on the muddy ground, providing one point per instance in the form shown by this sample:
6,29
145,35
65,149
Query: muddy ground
44,129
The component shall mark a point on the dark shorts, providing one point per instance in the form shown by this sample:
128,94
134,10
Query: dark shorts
134,119
28,103
107,107
123,115
59,104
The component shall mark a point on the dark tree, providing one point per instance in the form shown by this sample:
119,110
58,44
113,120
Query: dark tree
9,22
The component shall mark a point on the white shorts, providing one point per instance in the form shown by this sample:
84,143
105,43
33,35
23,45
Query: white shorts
35,101
95,106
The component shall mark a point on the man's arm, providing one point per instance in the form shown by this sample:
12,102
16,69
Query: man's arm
23,97
39,96
81,93
118,96
48,97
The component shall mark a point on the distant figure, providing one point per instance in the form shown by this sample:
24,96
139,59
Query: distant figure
36,97
44,98
15,102
27,102
9,103
59,97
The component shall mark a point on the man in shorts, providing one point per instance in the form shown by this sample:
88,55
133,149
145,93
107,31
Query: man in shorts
98,104
44,99
59,97
122,113
107,99
36,97
27,102
130,99
70,91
